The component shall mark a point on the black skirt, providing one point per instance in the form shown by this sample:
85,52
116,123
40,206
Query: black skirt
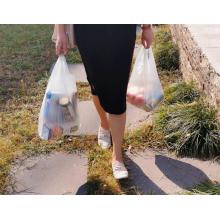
106,51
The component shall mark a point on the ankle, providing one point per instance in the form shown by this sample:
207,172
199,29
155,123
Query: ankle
104,126
119,159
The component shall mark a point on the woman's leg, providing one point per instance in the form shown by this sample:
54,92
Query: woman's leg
102,114
104,135
117,127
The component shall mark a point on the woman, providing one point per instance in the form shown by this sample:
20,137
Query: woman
106,52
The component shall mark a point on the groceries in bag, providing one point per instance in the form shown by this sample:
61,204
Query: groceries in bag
59,111
60,116
144,87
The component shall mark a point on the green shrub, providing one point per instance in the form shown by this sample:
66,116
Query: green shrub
161,117
190,129
206,188
167,56
162,36
165,51
181,93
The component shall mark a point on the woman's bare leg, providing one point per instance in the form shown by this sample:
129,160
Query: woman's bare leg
101,112
116,124
117,127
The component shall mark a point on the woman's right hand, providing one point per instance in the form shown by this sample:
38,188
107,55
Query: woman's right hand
61,44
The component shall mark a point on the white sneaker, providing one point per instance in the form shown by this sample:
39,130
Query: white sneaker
119,170
104,138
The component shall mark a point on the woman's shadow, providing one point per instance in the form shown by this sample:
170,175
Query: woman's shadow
180,173
138,179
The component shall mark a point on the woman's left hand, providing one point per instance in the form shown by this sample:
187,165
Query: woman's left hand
147,37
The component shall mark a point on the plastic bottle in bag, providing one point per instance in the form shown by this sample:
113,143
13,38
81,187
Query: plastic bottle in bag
59,110
51,117
70,119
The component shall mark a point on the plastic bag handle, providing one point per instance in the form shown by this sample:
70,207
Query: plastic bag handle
147,53
61,56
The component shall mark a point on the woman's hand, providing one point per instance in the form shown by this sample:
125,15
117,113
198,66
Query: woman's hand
62,41
147,36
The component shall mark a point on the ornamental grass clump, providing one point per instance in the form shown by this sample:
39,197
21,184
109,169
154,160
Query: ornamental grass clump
205,188
190,129
162,35
167,56
181,93
166,52
189,125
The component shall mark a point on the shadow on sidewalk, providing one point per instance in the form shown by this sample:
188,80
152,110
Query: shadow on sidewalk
96,186
82,190
182,174
140,181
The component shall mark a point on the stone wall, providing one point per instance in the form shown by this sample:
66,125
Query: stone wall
195,65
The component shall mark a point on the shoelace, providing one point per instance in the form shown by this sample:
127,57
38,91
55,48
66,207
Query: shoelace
104,135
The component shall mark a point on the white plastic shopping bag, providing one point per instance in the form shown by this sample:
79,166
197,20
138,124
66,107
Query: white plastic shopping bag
144,87
59,113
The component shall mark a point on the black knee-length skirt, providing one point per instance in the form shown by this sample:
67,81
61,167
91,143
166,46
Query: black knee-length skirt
106,51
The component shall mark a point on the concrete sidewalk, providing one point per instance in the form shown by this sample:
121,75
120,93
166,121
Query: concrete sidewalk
208,39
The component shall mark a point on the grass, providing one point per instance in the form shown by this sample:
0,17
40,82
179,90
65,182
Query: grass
167,57
27,53
83,91
189,125
73,56
143,137
181,93
165,51
169,77
177,92
205,188
100,179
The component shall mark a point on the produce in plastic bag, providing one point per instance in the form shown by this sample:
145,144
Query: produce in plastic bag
144,87
59,112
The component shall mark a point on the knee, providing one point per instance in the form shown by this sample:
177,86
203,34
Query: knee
114,106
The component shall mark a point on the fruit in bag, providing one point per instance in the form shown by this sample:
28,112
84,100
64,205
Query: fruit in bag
144,87
135,95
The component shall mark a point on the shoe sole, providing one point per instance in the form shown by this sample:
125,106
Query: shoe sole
104,148
124,177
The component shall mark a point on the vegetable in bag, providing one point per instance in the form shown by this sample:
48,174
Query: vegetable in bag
144,87
59,112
